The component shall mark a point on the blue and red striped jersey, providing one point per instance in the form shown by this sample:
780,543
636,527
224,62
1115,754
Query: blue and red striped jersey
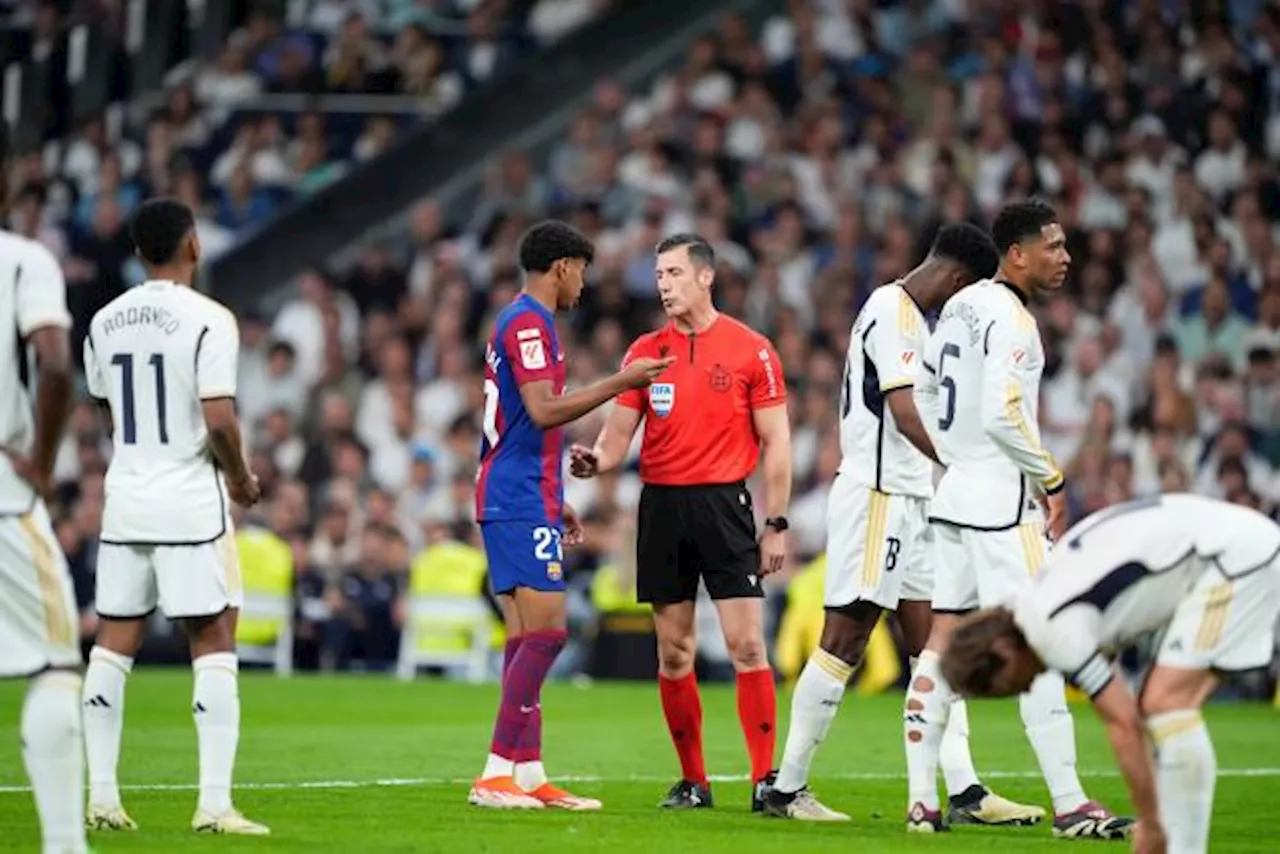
520,475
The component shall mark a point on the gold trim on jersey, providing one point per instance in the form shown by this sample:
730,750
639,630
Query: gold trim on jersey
1214,619
908,314
1013,409
877,523
894,386
60,629
1032,547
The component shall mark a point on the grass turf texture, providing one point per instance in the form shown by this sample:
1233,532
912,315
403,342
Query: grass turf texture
371,765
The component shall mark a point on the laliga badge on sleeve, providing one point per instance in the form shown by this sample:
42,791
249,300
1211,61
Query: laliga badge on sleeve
662,397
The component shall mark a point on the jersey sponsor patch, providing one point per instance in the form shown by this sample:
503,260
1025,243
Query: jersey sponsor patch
662,398
532,354
908,356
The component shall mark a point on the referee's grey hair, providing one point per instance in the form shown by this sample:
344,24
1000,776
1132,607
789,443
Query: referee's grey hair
700,251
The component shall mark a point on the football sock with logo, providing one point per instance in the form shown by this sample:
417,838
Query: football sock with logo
215,704
103,699
758,714
1186,769
1052,733
528,775
517,736
814,705
54,758
682,707
928,707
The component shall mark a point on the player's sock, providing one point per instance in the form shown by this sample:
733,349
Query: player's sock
530,775
1186,769
954,754
513,736
814,705
682,707
215,705
1053,737
758,714
103,699
509,653
928,707
54,758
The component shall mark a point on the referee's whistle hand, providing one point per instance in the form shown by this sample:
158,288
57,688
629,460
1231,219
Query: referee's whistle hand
773,552
644,370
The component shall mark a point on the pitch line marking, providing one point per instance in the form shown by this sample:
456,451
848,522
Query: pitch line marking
399,782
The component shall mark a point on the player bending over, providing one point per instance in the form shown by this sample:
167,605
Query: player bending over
876,526
1204,572
163,359
39,633
520,503
978,396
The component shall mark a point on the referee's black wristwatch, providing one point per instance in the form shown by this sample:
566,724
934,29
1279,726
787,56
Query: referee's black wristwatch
777,523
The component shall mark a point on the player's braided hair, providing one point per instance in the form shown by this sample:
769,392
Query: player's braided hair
158,229
548,241
1018,221
970,664
969,246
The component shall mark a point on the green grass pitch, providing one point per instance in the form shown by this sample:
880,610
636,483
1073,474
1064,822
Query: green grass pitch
363,764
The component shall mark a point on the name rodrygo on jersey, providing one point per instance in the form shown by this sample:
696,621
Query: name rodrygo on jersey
154,354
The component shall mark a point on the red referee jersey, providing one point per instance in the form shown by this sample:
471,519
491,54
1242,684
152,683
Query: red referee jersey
698,427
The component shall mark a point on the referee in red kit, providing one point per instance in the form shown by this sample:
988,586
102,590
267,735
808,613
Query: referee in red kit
718,408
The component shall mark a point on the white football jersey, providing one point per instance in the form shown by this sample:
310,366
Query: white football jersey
154,353
33,295
1122,572
884,354
978,395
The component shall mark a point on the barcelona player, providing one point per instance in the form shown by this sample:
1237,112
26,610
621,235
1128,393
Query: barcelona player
520,502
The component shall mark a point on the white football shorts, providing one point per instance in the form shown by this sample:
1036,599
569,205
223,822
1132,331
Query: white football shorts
982,569
1223,624
875,547
39,623
184,581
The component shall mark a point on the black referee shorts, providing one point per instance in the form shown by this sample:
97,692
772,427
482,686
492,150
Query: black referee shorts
690,532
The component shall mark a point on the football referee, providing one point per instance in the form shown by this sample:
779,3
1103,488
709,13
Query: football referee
720,407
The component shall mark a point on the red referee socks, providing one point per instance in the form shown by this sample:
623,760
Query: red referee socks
683,709
757,710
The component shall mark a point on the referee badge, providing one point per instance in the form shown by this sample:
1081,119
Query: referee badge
662,397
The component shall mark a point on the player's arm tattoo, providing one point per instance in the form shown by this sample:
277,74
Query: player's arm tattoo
53,400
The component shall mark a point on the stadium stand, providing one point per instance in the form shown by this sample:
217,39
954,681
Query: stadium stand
818,151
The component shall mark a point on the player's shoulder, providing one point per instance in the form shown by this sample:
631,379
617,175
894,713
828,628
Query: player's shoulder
204,307
519,312
19,253
649,343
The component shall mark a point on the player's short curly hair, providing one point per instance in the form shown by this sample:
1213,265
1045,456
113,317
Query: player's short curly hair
1017,221
969,246
158,229
548,241
970,663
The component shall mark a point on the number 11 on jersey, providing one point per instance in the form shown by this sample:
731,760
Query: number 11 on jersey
128,396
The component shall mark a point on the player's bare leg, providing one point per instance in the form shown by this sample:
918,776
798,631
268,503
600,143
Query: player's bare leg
110,662
215,705
925,716
742,621
814,705
969,801
1186,766
675,628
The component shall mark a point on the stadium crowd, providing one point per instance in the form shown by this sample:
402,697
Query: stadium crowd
818,154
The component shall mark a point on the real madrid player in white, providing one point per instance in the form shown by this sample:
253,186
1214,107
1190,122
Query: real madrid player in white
978,395
163,357
876,522
39,632
1204,572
